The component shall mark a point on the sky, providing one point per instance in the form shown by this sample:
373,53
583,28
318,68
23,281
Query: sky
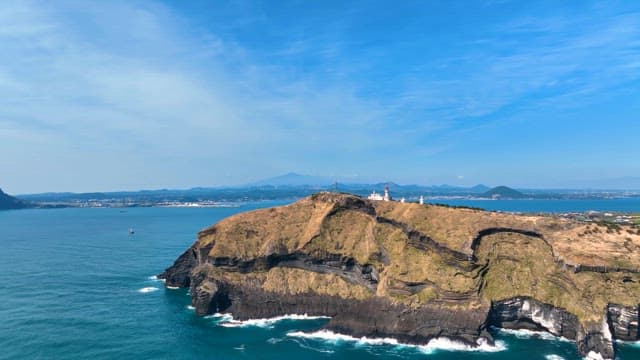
126,95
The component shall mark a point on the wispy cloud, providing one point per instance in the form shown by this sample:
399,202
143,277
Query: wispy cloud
531,62
95,89
99,95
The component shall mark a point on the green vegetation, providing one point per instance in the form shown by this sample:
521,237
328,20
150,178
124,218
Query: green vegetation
504,192
459,206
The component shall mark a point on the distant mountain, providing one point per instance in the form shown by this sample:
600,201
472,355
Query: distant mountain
8,202
504,192
480,188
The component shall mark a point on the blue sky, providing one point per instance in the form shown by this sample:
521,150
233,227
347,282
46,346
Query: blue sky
111,95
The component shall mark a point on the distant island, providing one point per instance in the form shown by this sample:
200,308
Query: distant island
503,192
416,272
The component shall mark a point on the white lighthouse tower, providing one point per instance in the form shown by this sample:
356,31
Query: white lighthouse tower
387,196
421,201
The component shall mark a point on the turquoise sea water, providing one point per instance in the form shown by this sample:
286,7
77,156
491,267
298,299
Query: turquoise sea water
75,285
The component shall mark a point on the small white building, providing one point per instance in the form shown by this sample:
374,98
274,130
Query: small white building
377,197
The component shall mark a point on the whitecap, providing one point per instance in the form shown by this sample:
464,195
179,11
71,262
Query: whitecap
528,334
446,344
191,308
269,322
148,289
432,346
219,318
553,357
155,278
173,287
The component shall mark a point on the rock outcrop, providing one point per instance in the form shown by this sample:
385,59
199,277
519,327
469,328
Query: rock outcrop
416,272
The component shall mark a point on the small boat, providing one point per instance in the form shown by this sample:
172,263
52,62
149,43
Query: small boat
131,231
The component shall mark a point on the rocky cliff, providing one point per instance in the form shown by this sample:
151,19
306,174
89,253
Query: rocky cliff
416,272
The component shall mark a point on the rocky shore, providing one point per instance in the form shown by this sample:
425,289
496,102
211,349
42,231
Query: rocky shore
417,272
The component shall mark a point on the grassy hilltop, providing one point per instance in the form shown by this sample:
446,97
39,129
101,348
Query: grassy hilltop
427,260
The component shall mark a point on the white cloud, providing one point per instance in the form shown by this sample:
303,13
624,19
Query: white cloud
84,83
76,77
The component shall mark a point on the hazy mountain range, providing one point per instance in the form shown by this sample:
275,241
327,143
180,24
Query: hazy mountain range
291,186
293,179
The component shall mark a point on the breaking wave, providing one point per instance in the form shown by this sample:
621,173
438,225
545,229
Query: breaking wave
431,347
267,323
528,334
219,318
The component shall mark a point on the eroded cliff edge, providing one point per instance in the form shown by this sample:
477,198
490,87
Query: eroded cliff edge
415,272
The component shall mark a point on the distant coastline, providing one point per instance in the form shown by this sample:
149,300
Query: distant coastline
224,197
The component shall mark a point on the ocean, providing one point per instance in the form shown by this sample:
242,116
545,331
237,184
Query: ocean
74,284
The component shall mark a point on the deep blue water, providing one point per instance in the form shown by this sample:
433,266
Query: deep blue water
70,282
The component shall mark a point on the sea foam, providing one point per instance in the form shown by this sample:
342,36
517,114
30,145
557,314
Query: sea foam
219,318
269,322
528,334
148,289
553,357
431,347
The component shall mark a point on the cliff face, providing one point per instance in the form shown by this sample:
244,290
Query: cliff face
415,272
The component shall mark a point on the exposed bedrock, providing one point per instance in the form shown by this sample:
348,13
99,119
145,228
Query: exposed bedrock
415,272
530,314
623,321
178,275
527,313
374,317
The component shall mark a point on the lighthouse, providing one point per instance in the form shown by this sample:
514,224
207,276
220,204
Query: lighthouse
387,196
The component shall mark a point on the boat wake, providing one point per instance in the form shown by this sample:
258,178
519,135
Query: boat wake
553,357
148,289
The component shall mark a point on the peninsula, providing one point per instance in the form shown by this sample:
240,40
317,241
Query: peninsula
8,202
417,272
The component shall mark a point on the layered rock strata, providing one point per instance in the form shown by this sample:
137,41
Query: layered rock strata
416,272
